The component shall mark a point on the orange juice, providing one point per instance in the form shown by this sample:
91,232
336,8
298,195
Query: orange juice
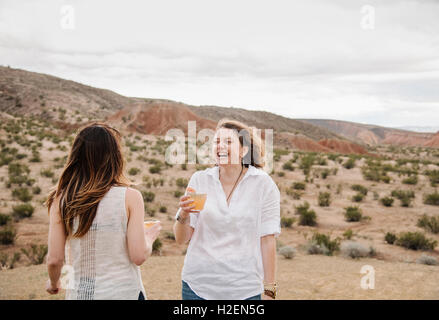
199,200
150,223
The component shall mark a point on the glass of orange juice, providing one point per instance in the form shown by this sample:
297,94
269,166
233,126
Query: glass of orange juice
150,223
199,200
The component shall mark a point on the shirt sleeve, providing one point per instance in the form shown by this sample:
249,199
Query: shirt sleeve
270,216
193,215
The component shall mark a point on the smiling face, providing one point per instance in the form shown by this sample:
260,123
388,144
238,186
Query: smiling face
227,148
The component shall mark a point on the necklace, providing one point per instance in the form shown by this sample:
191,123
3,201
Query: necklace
234,186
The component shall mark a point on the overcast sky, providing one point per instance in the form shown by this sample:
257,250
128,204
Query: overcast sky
316,59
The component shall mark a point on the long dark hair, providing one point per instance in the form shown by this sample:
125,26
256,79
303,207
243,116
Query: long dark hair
94,165
247,137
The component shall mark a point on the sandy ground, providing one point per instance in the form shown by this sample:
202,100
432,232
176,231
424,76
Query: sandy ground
303,277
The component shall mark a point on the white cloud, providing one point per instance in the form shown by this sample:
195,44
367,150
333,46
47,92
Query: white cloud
311,59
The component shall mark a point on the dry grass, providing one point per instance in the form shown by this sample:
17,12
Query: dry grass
303,277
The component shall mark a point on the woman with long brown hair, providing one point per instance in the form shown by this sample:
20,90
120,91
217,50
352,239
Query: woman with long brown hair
97,222
232,249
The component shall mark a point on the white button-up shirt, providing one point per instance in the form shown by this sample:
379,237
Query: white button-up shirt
224,260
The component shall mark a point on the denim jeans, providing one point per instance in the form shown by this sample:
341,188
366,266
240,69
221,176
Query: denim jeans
188,294
141,296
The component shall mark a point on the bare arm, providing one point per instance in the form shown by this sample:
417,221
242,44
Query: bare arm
139,241
268,250
183,231
56,245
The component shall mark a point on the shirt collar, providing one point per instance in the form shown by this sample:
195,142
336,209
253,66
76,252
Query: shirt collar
252,171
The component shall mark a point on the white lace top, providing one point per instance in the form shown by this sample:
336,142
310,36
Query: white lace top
99,261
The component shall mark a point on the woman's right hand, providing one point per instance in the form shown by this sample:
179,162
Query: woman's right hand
185,205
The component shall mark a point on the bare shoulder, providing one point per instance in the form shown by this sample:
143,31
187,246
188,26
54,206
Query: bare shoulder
133,195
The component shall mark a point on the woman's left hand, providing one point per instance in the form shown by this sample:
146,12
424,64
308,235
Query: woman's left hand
52,289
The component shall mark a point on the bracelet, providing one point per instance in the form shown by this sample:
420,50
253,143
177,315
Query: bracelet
181,220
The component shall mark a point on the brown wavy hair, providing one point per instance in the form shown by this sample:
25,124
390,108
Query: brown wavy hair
247,137
94,165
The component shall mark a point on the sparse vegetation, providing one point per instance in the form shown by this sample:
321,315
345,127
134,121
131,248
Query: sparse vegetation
21,211
432,199
287,252
307,217
353,214
323,244
7,234
387,201
355,250
429,223
390,238
36,253
287,222
415,241
324,199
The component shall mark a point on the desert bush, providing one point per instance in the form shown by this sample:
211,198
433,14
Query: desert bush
22,194
163,209
293,193
427,260
36,253
7,234
4,219
21,211
359,188
433,175
355,250
353,214
432,199
181,182
148,196
415,241
299,186
358,197
178,193
349,164
412,180
288,166
133,171
348,234
280,174
323,244
155,169
307,162
325,173
169,235
324,199
48,173
9,263
157,246
36,190
387,201
287,222
390,238
183,166
287,252
307,217
429,223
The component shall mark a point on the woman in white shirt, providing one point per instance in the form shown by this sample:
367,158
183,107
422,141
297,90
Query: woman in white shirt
232,249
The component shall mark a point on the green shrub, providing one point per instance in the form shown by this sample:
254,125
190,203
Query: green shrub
4,219
429,223
353,214
299,186
36,190
7,234
148,196
349,164
22,194
163,209
169,235
359,188
288,166
432,199
36,253
157,245
324,199
21,211
390,238
413,180
178,193
358,197
155,169
348,234
293,193
433,175
307,217
181,182
286,222
387,201
323,244
287,252
281,174
133,171
415,241
47,173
